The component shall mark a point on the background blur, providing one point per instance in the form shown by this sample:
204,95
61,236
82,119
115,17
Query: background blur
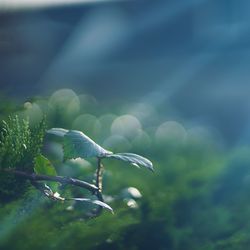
166,79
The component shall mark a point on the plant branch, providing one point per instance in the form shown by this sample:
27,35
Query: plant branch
61,179
35,178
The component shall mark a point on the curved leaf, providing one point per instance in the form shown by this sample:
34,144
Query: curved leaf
133,159
96,202
76,144
57,131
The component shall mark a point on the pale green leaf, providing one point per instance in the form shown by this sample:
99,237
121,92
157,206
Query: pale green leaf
44,167
96,202
134,159
76,144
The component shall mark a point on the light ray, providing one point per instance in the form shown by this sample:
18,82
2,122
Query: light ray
34,4
193,65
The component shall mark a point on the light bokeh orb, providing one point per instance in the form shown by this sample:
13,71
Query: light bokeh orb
126,125
171,132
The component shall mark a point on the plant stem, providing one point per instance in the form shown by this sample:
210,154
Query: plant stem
98,182
99,173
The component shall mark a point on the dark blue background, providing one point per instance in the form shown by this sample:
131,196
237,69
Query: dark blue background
190,55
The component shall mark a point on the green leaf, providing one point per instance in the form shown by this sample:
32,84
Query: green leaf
134,159
96,202
44,167
77,144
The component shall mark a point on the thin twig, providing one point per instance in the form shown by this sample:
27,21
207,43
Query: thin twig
60,179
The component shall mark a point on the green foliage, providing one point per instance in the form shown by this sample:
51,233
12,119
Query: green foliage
19,145
14,140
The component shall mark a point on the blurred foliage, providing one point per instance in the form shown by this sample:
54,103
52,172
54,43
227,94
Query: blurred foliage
198,197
